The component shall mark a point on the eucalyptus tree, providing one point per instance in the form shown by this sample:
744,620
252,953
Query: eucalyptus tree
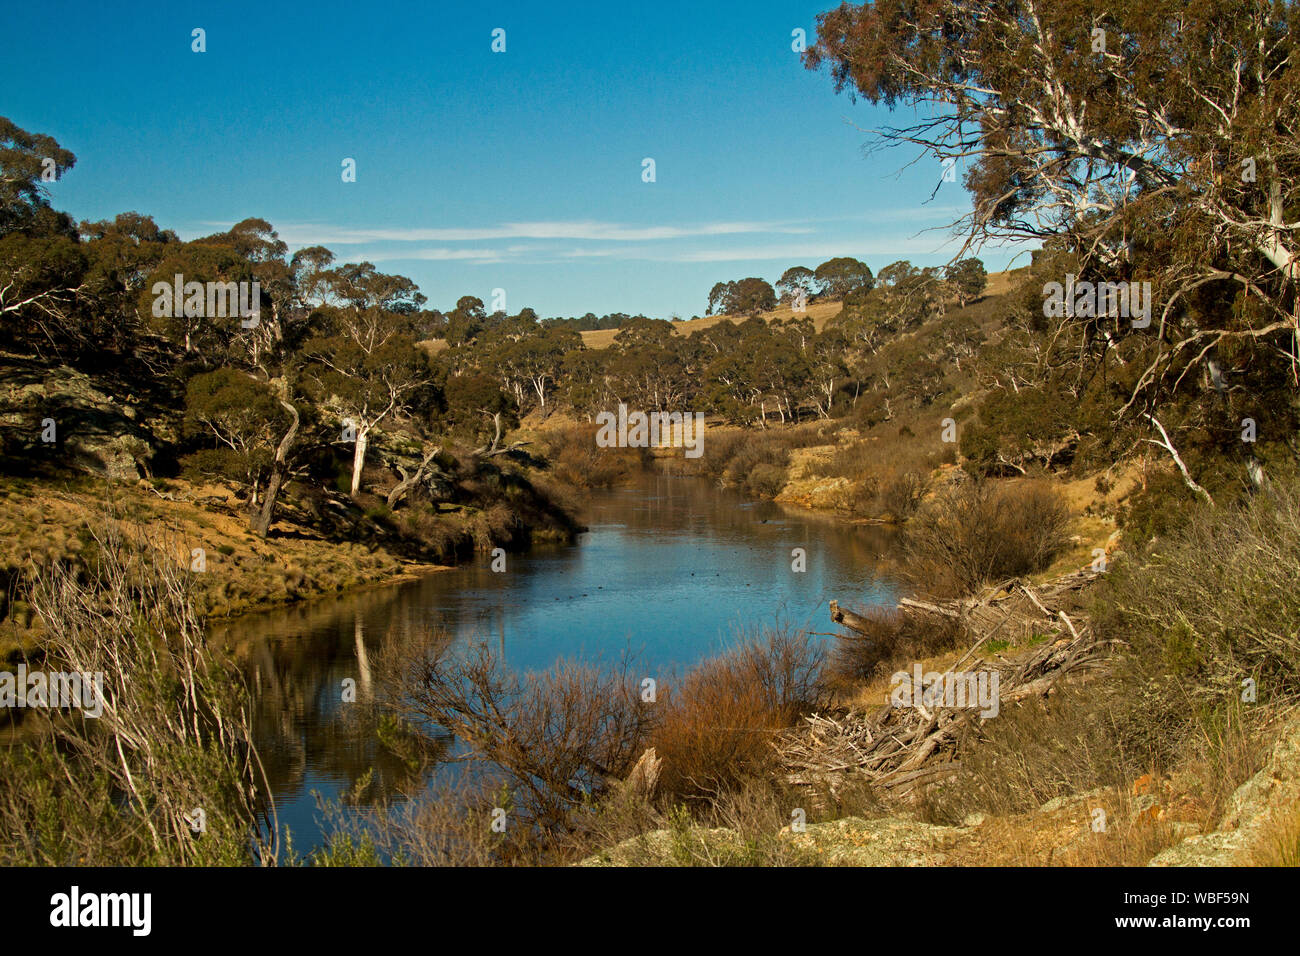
1157,138
42,266
842,275
796,280
28,162
967,279
365,367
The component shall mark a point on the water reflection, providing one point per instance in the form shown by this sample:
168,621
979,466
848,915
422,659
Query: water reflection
673,567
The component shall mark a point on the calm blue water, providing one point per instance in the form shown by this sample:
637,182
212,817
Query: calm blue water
673,568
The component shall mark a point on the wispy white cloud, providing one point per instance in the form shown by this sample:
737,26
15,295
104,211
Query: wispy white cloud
817,251
789,252
916,231
588,253
482,255
923,213
302,234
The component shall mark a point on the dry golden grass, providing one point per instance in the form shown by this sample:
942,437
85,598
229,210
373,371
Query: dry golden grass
819,312
1280,845
243,571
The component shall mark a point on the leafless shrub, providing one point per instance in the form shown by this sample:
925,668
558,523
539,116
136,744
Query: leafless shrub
173,736
449,823
559,739
578,462
895,639
980,531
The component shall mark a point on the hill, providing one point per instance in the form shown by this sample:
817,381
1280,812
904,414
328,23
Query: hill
819,312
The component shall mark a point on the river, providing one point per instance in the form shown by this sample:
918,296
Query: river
673,568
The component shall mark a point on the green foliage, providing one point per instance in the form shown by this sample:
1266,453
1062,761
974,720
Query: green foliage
478,408
1163,505
1208,601
794,280
24,197
242,419
1016,428
967,279
841,276
741,297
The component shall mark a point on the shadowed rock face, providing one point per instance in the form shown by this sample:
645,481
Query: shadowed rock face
1245,829
93,431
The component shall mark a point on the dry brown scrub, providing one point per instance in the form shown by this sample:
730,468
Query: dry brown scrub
173,736
981,531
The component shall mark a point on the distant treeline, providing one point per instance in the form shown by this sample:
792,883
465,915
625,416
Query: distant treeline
592,322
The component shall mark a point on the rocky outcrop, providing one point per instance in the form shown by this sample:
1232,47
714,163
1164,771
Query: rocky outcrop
1252,815
64,417
852,841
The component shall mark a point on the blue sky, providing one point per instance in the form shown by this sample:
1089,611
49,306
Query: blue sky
478,170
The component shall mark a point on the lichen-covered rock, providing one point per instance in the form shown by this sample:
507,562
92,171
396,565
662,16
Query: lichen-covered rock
824,494
886,841
1245,827
852,841
61,415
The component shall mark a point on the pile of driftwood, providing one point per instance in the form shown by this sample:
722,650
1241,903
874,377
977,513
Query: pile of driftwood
900,748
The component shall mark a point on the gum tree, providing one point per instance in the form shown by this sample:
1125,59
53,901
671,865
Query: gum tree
967,280
843,275
42,266
1156,138
367,368
794,280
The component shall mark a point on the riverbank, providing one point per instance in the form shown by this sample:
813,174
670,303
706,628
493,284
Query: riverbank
1025,788
206,529
801,467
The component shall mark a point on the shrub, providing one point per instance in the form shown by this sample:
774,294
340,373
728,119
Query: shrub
556,738
733,456
981,531
1163,505
902,495
1196,615
1213,605
1034,752
890,470
895,639
716,729
765,481
1015,428
579,462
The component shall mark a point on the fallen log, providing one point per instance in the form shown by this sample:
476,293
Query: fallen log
854,622
931,608
901,749
1037,603
403,487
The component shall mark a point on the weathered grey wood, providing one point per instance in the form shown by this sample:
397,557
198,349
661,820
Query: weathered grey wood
854,622
932,608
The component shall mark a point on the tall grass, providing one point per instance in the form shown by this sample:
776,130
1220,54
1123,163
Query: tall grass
1206,625
173,738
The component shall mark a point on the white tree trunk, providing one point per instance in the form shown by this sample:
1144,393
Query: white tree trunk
359,459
